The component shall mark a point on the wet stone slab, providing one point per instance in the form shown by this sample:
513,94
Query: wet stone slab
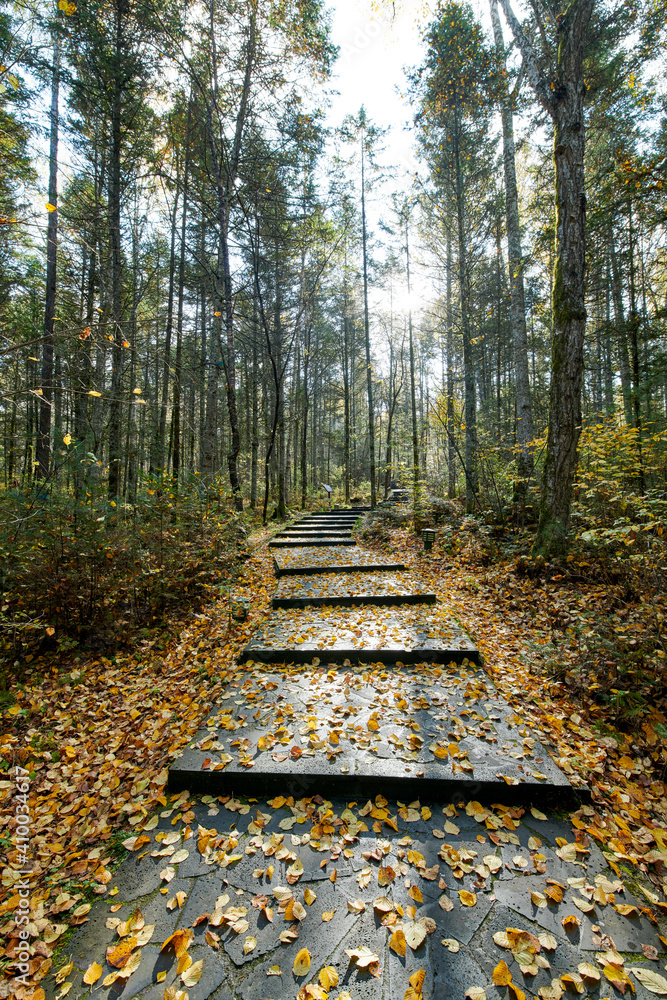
362,634
425,729
325,559
337,875
351,589
312,532
282,543
318,521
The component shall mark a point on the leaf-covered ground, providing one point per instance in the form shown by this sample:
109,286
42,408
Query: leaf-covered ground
96,741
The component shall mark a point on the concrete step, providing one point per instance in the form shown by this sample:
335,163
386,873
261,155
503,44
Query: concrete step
329,559
365,634
408,731
350,589
299,541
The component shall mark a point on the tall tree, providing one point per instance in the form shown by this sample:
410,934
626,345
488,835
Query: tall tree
361,130
43,456
524,412
556,74
453,119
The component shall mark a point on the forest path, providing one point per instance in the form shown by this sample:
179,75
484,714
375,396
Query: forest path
378,867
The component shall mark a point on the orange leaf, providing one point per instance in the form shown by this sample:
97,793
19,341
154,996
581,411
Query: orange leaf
501,974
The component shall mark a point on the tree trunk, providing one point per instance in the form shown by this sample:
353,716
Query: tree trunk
115,405
621,333
524,413
451,458
367,335
416,484
176,416
470,406
43,456
562,95
254,440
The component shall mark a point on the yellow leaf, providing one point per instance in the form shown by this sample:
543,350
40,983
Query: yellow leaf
328,977
63,973
119,955
618,977
416,980
501,974
92,974
192,975
518,993
93,392
414,892
302,963
397,942
50,207
467,898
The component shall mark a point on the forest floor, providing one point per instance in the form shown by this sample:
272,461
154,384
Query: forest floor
95,740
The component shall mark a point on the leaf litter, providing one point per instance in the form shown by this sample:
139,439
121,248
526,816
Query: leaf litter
617,821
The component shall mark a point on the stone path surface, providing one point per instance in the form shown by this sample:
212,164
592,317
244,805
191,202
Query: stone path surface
402,855
351,588
304,729
301,540
322,559
449,888
362,634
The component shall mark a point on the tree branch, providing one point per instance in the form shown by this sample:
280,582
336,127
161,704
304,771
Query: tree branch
531,62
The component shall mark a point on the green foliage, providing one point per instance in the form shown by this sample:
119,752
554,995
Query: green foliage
78,568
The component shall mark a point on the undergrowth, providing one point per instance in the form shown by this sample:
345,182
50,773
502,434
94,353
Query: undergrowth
82,570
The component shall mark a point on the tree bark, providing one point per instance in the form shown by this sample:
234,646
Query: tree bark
176,414
43,456
563,98
524,413
115,405
470,405
367,335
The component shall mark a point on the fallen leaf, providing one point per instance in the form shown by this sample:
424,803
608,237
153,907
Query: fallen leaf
92,974
362,957
451,944
301,965
397,942
328,977
501,974
249,945
653,982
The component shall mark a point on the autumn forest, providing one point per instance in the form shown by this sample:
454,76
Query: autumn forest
230,311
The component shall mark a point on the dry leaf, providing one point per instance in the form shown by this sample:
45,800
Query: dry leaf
301,965
328,977
397,942
651,980
501,974
92,974
362,957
